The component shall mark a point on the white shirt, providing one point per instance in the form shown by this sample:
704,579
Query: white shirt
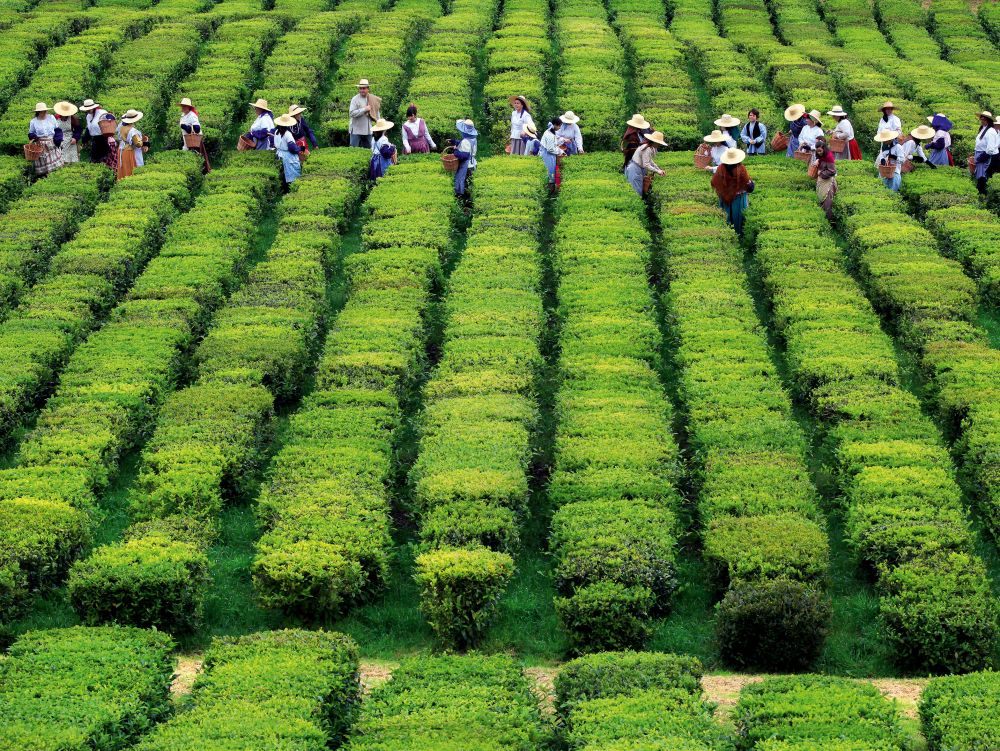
896,152
988,141
569,132
844,130
263,122
890,123
93,121
282,141
549,143
378,143
911,147
44,128
412,130
945,135
809,135
717,152
730,141
519,121
189,119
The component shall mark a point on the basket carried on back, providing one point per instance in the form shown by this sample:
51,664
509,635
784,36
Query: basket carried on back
803,156
193,140
838,145
887,170
245,144
703,156
107,127
448,159
33,151
779,142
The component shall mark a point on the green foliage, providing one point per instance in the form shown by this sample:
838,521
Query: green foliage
962,711
606,615
84,689
459,590
28,42
279,689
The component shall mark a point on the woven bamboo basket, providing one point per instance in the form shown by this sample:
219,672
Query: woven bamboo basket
907,166
448,159
193,140
887,170
703,156
813,170
803,156
779,142
107,127
838,145
245,144
33,151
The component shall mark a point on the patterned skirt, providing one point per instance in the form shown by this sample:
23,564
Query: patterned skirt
51,158
517,146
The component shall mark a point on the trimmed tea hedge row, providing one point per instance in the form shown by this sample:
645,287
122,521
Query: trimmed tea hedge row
26,45
470,479
325,508
591,72
632,700
46,215
518,64
904,513
664,92
614,532
13,180
463,702
764,539
86,276
210,437
962,712
114,383
277,689
220,85
75,67
445,69
380,52
965,41
801,712
83,689
731,78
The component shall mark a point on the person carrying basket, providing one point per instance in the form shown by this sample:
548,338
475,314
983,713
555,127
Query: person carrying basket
46,137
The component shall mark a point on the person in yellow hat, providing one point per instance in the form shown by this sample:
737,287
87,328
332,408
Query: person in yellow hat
987,151
262,130
71,128
732,184
795,114
131,147
45,132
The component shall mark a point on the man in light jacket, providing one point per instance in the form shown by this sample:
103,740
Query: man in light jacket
364,110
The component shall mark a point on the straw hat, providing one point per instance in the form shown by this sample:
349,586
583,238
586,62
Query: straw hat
185,102
530,130
837,111
132,116
363,82
886,135
286,121
41,107
715,137
261,104
656,137
569,117
296,109
727,121
815,115
65,109
887,105
794,112
467,127
733,156
986,113
379,125
637,121
922,132
88,105
519,97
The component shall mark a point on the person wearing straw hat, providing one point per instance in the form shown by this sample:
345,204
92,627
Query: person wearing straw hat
190,124
520,121
100,144
812,131
262,130
844,130
287,151
301,131
890,151
795,114
889,121
548,147
913,149
130,144
383,152
826,176
466,147
570,137
69,124
987,151
732,184
44,131
636,129
728,125
642,162
717,141
940,146
532,144
754,134
416,138
363,111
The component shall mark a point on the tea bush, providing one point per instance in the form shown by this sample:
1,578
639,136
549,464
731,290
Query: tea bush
961,711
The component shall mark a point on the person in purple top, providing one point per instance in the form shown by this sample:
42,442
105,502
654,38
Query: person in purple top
301,131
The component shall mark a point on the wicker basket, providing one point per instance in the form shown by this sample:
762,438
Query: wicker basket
813,170
33,151
448,159
193,140
804,156
971,164
838,145
907,166
887,170
245,144
779,142
703,156
107,127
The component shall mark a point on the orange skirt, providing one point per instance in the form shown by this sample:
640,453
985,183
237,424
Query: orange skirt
126,163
